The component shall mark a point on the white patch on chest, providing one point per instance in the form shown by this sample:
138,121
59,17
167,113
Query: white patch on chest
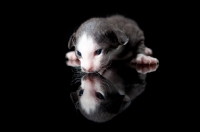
87,47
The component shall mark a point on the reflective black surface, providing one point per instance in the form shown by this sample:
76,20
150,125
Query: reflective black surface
127,95
157,100
102,96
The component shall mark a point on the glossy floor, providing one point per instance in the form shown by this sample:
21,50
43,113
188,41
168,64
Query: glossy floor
124,97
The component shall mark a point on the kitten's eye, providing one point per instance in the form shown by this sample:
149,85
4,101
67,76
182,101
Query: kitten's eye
100,96
80,92
78,53
98,52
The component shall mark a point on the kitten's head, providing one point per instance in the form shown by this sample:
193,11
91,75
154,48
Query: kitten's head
97,99
94,42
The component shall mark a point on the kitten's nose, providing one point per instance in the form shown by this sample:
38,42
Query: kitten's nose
89,69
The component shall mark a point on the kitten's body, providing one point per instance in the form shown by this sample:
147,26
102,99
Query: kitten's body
99,41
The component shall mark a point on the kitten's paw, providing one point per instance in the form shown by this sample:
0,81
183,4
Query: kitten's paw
143,59
146,68
71,55
73,63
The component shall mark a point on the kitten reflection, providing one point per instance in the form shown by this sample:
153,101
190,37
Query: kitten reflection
98,99
102,96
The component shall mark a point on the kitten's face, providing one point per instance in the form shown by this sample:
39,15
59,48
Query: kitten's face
94,42
91,55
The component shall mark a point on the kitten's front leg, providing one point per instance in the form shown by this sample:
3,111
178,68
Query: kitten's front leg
148,51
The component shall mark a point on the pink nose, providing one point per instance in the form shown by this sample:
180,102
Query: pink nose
89,69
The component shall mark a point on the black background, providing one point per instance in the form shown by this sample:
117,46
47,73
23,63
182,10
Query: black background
45,103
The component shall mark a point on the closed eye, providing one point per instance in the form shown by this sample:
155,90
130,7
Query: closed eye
98,52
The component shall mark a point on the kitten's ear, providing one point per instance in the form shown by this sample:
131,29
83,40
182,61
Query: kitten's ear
122,38
126,101
72,41
74,97
117,37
